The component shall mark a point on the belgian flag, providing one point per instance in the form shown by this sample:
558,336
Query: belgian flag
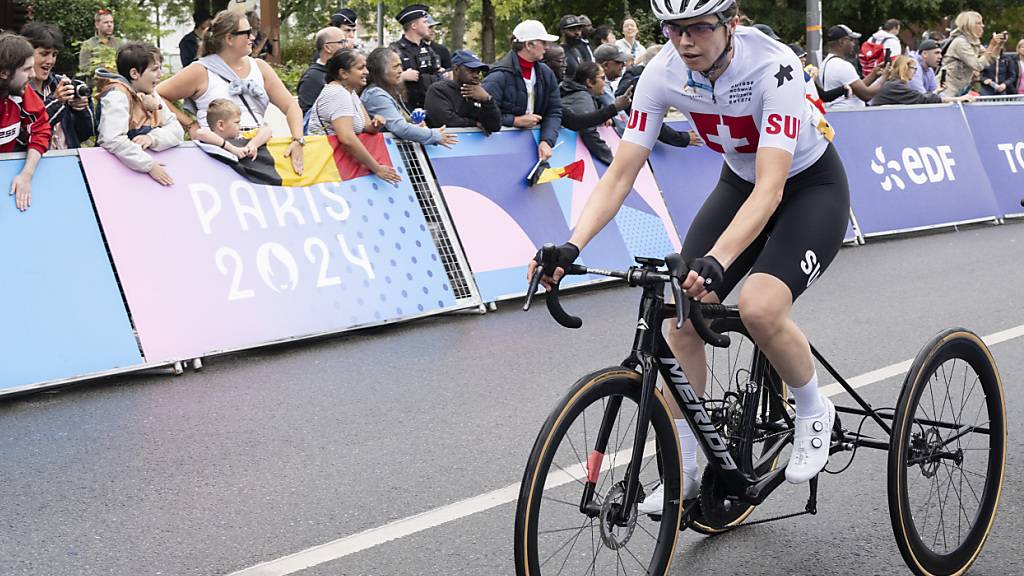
572,171
324,160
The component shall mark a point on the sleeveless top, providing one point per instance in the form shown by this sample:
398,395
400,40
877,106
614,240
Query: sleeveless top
217,87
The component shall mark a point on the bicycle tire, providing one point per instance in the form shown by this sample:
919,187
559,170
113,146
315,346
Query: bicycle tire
596,388
701,522
917,440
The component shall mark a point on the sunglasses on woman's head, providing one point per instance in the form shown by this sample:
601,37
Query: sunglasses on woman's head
696,30
246,32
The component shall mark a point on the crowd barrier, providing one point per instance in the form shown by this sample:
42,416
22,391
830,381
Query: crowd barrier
145,275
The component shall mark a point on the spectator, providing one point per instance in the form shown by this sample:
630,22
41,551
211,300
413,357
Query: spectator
800,53
70,115
339,111
628,43
576,51
767,31
225,70
188,47
889,37
837,71
345,21
421,66
631,75
328,41
462,102
1020,66
583,111
262,46
104,22
384,97
1000,77
897,89
964,55
554,57
613,61
585,33
22,109
132,118
525,88
928,57
225,131
600,36
442,52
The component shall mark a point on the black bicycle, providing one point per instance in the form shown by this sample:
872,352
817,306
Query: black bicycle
611,441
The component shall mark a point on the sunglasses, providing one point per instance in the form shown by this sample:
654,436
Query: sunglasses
696,30
247,32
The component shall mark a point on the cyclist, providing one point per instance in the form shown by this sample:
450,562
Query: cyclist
779,211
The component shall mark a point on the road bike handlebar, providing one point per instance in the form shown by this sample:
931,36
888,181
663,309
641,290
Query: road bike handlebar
677,269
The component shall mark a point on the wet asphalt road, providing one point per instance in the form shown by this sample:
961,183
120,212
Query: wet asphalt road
270,452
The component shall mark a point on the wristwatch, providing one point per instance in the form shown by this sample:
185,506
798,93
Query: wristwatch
301,140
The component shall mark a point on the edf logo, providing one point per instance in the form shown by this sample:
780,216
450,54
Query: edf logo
924,164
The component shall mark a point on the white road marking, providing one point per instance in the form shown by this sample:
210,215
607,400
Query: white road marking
366,539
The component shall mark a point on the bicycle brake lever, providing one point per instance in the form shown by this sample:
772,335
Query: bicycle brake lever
682,303
546,254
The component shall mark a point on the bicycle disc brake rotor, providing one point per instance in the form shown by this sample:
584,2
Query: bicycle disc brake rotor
613,534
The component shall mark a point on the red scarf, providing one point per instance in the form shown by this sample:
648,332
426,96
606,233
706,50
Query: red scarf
526,66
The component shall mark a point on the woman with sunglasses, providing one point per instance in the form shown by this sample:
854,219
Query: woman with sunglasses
779,211
225,69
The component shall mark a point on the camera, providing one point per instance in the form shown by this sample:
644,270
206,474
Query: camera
82,89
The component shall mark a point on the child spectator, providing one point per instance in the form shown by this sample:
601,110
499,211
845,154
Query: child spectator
225,131
132,117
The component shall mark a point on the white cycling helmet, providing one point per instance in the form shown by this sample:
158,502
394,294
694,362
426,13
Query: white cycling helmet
680,9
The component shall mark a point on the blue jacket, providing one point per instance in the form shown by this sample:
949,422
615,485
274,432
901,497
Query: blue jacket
77,125
378,101
505,84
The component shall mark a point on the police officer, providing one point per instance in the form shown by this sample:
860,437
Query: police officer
420,63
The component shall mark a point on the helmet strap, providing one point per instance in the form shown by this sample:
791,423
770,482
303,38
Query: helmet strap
720,62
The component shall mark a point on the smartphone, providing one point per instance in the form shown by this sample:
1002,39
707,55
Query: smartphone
888,55
942,77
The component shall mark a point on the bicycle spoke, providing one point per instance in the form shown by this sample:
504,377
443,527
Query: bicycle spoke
576,452
639,563
566,543
569,553
569,504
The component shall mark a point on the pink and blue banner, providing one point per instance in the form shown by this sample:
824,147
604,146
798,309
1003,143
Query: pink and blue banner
63,316
501,221
998,131
217,263
912,168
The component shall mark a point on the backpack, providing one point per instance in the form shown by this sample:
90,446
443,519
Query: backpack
871,54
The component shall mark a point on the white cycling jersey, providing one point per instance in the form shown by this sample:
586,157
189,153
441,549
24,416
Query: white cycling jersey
758,101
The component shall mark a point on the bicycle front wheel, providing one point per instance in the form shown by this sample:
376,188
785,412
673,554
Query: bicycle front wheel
569,517
947,455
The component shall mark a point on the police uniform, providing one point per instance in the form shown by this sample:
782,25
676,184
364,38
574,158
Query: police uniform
420,57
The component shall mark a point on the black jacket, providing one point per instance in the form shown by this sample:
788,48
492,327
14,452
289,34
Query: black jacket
1003,70
576,52
418,57
583,113
506,85
900,92
188,48
310,85
446,107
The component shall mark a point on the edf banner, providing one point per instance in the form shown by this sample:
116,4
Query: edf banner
911,168
502,221
217,263
62,312
998,132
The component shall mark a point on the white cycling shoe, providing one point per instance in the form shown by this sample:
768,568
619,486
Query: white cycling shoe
811,442
655,501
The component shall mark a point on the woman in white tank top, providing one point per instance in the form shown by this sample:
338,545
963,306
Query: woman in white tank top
225,70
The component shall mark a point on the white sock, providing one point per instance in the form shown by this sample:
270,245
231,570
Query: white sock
808,399
688,442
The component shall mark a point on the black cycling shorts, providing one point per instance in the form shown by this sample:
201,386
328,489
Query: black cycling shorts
802,236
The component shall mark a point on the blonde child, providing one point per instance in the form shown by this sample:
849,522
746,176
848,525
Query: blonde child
225,119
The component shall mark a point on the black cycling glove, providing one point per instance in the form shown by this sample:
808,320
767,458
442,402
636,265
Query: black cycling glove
710,269
566,254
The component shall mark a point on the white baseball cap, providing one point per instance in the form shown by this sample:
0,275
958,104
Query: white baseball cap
532,30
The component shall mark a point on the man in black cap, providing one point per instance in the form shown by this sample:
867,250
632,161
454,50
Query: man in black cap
420,64
463,102
440,49
767,31
328,41
837,70
188,47
576,50
928,58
